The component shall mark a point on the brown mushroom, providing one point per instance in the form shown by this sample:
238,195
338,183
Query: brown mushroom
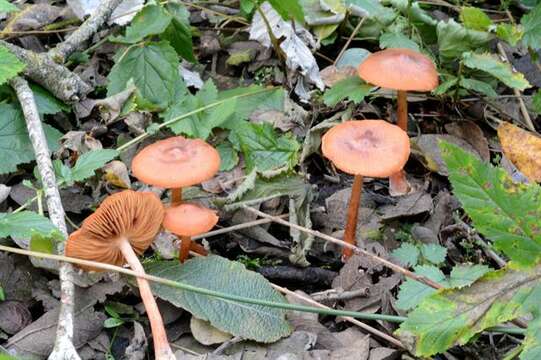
372,148
402,70
123,227
187,220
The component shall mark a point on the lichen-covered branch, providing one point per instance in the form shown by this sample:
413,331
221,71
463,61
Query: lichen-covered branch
56,78
63,349
84,32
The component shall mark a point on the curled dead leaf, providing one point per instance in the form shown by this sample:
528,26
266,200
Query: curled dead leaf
523,149
116,173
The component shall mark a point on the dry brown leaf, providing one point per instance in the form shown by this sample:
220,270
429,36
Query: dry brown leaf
116,173
523,148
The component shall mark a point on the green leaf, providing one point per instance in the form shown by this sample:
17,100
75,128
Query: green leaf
531,22
179,32
396,40
446,85
15,146
290,9
352,88
478,86
407,254
91,161
228,156
45,243
454,39
47,104
113,323
2,294
510,33
434,253
475,18
505,212
10,65
495,67
254,322
532,341
536,102
263,148
24,224
372,9
465,275
7,7
413,292
151,20
153,68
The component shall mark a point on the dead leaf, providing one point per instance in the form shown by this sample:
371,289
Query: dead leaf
523,148
16,277
166,245
78,142
137,348
407,205
297,344
4,192
472,133
332,74
383,353
14,316
32,17
207,334
122,15
116,173
356,350
72,199
137,122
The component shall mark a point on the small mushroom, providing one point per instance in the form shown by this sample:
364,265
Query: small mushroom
123,227
187,220
372,148
174,163
402,70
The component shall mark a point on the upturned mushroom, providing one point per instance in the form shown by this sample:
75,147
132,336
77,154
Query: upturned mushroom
402,70
123,227
187,220
175,163
372,148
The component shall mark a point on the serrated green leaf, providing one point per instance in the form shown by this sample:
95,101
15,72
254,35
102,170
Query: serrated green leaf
150,20
153,68
7,7
478,86
505,212
475,18
47,104
497,68
413,292
407,254
10,65
352,88
179,32
15,146
290,9
91,161
510,33
531,22
536,102
23,224
434,253
465,275
371,9
396,40
254,322
45,243
454,39
532,342
228,156
446,85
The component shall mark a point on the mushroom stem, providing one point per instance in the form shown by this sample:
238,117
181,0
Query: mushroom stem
402,111
185,246
198,249
353,211
176,196
162,349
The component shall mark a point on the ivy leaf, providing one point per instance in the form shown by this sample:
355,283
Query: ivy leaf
506,212
153,68
7,7
24,224
531,22
91,161
397,40
454,39
290,9
407,254
475,18
465,275
10,65
352,88
500,70
434,253
254,322
478,86
412,292
151,20
15,146
179,32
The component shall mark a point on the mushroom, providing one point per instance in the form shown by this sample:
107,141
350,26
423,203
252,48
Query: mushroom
123,227
174,163
402,70
372,148
187,220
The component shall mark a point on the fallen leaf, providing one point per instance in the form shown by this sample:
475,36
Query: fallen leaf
207,334
383,353
407,205
122,15
14,316
137,348
523,148
4,192
332,74
116,173
32,17
472,133
72,199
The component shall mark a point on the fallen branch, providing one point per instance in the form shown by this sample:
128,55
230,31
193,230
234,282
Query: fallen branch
63,348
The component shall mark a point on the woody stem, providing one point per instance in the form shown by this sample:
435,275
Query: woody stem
352,215
176,196
162,349
185,245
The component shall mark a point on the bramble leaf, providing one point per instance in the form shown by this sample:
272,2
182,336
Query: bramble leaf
24,224
475,18
352,88
407,254
7,7
10,65
434,253
532,28
91,161
495,67
151,20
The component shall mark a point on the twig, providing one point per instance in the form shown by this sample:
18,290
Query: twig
85,31
236,227
335,295
346,45
63,348
357,250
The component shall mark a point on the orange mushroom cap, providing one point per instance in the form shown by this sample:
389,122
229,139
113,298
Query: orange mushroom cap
176,162
135,216
189,219
371,148
399,69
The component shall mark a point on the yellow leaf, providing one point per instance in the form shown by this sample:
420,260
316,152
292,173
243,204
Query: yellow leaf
523,149
116,173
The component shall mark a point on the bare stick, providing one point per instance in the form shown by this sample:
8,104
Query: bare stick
387,263
63,348
352,216
346,45
84,32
